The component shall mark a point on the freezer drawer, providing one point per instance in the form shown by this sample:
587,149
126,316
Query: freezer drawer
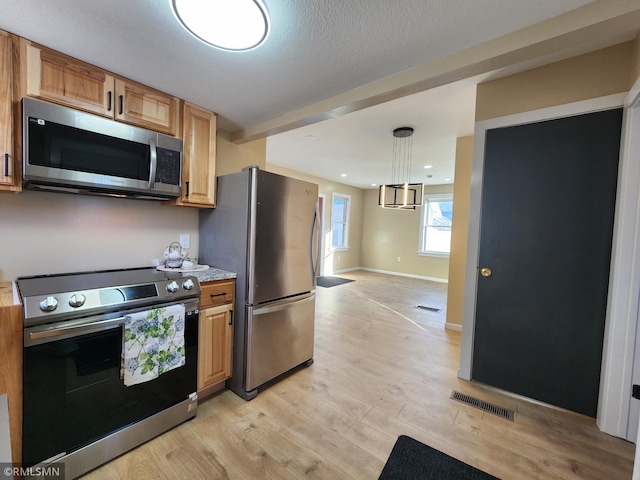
280,336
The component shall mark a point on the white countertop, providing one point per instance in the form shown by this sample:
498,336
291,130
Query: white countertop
212,274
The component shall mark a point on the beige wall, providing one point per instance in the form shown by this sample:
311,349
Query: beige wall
233,158
339,260
635,61
389,234
459,231
595,74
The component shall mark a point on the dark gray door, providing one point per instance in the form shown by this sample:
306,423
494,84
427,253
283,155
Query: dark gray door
548,201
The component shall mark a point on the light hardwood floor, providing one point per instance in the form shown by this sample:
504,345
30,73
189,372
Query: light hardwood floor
382,368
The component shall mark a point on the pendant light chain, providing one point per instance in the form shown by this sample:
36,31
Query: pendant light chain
401,162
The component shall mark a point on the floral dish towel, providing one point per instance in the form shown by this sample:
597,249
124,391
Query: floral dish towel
153,343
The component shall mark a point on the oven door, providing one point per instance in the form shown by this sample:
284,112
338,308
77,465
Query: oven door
73,391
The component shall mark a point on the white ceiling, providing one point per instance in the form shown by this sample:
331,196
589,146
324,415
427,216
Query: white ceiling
318,60
360,144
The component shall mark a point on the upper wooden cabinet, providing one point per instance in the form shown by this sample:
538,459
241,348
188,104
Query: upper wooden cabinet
52,76
9,161
199,127
145,107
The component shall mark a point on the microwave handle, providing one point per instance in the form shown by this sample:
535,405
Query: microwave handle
154,162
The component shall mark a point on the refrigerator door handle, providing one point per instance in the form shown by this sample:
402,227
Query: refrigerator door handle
316,231
282,305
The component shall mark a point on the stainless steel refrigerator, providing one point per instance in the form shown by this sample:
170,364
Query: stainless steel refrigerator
265,227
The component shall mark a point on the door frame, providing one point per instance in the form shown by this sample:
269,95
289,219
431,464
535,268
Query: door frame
618,414
620,319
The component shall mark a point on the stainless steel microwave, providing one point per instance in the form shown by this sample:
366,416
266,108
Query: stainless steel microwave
71,151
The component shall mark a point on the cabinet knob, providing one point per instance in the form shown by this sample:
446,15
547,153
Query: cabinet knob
485,272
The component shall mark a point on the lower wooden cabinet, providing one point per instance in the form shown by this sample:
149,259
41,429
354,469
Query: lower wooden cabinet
215,336
11,364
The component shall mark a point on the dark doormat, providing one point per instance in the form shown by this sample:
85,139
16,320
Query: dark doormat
412,460
332,281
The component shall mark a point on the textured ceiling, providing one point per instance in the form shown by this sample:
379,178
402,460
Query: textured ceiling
317,50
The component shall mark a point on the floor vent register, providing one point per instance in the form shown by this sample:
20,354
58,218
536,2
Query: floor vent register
482,405
431,309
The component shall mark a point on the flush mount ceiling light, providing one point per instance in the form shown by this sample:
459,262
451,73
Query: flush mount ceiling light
401,193
234,25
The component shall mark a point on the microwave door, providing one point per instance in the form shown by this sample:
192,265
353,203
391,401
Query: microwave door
72,156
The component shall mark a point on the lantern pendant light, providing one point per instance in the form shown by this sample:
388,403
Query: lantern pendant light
401,194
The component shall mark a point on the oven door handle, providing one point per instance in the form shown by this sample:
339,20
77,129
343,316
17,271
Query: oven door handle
60,331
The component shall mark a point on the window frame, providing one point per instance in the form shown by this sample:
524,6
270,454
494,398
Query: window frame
345,237
424,213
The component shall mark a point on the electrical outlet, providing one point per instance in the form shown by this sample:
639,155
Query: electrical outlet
397,259
185,240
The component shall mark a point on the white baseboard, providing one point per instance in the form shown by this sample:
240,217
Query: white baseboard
345,270
399,274
453,326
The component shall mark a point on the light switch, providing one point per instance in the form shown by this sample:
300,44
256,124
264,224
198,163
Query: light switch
185,240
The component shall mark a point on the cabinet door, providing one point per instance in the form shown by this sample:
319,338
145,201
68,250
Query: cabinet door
11,361
199,175
215,336
146,107
9,175
53,76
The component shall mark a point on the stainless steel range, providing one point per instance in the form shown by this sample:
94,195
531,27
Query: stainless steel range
110,361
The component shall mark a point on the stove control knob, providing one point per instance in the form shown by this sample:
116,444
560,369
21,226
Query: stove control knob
77,300
188,285
49,304
173,287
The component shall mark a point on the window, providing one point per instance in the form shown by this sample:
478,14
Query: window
340,205
435,225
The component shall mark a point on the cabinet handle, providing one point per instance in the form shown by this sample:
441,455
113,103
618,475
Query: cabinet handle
6,164
121,103
109,95
230,317
187,189
218,294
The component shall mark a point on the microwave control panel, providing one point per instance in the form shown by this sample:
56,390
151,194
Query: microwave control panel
168,166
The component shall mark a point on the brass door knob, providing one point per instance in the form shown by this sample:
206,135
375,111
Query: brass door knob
485,272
